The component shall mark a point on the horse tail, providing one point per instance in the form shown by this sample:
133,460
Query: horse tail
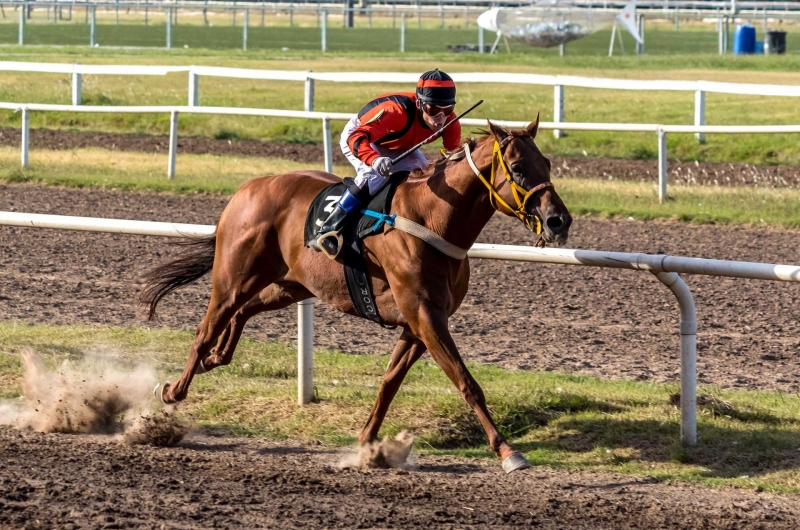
194,263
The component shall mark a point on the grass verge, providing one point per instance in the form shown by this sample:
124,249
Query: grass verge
143,171
224,174
746,439
503,101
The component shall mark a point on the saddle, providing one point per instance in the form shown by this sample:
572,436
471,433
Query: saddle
360,225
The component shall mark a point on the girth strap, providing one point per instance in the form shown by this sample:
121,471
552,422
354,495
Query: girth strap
415,229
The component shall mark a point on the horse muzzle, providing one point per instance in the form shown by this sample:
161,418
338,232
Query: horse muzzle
555,228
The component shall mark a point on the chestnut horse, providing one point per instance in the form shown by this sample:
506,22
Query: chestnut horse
258,262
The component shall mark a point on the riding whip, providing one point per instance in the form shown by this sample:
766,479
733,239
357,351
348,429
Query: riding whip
434,135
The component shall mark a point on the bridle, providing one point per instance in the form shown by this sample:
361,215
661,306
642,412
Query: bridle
521,195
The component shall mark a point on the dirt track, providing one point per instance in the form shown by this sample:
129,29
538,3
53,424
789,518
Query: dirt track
616,324
69,482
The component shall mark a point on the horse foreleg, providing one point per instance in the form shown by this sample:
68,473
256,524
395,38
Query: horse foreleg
406,352
272,297
430,324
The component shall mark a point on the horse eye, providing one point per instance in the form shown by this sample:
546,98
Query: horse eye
516,168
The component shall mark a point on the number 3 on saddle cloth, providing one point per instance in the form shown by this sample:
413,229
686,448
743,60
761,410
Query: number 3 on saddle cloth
370,221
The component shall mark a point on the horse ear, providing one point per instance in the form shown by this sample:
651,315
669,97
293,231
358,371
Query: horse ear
533,127
498,132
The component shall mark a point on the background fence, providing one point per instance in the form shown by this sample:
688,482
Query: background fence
679,27
559,124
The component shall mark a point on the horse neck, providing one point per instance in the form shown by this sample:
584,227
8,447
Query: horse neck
454,202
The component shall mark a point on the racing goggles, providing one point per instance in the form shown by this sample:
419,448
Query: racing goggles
435,110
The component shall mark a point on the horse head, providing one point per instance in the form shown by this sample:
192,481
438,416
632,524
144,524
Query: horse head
520,174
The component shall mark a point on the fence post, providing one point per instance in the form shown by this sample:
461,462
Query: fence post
324,24
402,33
308,94
22,10
662,165
93,27
194,92
173,143
720,41
263,13
146,14
26,135
419,16
117,11
727,33
394,16
640,45
480,40
291,15
369,15
700,113
305,351
169,28
688,354
77,79
558,109
244,28
441,15
327,144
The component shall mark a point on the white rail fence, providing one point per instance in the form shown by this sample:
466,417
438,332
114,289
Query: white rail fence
326,117
666,268
558,82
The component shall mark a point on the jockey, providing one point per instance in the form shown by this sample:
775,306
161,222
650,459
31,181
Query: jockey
386,127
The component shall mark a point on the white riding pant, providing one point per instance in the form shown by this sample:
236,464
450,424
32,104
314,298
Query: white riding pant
365,175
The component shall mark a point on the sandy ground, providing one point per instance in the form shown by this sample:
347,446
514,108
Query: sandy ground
68,482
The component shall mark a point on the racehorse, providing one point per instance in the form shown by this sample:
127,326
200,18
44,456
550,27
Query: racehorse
258,261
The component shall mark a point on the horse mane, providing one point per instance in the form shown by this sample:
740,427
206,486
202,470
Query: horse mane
441,164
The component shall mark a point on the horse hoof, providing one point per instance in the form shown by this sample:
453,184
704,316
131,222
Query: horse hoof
514,462
158,391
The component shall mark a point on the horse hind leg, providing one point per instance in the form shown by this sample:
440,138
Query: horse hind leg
274,296
229,293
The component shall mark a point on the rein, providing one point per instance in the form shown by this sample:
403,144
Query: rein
531,220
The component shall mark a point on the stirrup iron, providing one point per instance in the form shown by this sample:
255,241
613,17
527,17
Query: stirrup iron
325,244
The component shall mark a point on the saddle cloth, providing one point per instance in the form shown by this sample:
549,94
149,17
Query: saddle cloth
358,226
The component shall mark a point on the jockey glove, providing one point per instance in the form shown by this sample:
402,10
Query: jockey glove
382,165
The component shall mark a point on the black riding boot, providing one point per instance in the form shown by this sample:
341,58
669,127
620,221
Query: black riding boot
328,236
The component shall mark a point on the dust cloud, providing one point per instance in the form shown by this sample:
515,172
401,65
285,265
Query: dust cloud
386,453
91,396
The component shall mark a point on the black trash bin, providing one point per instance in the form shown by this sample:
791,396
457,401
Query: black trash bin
775,43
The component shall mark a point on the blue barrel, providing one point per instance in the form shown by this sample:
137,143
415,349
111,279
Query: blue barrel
744,39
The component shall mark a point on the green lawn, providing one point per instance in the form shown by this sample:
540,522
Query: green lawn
670,55
502,102
745,439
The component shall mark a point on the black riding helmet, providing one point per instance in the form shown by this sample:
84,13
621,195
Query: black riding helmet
436,88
